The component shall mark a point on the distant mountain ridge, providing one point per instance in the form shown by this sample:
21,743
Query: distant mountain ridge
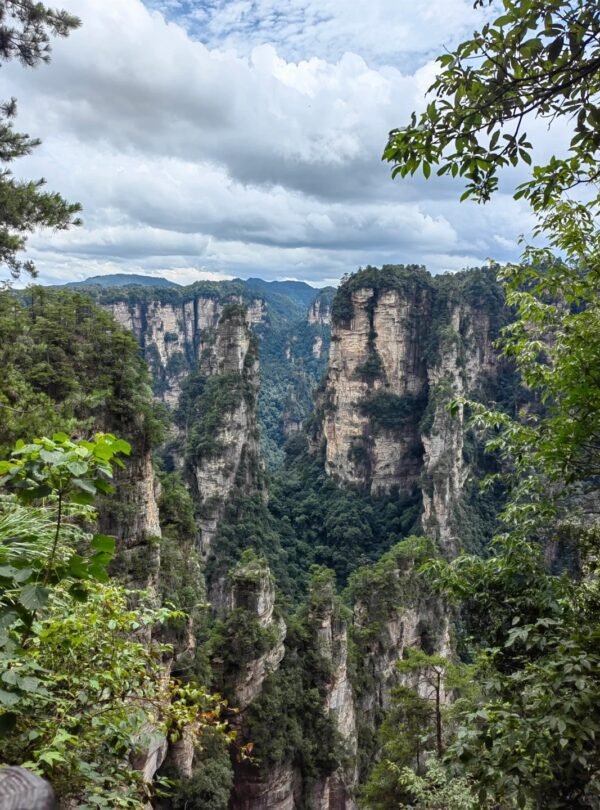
123,280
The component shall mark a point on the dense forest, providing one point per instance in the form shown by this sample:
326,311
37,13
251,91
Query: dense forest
268,547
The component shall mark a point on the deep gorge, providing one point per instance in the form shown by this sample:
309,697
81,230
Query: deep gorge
308,457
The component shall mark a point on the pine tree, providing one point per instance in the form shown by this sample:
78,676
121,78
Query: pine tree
25,30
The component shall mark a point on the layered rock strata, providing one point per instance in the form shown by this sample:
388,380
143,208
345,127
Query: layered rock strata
227,458
398,357
465,357
377,357
173,336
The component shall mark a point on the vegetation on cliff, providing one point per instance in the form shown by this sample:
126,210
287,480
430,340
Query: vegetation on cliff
82,692
529,736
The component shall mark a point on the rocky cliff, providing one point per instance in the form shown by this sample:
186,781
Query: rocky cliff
404,344
376,388
314,683
464,360
174,335
218,418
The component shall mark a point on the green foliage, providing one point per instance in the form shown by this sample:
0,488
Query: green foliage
530,737
70,473
393,787
181,581
536,59
341,528
67,365
81,689
204,404
235,641
408,278
288,722
389,411
210,785
25,30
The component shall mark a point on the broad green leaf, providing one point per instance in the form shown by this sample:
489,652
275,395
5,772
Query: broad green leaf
8,698
102,542
34,597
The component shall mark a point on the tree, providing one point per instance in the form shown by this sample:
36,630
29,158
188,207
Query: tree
409,771
81,690
25,30
530,736
538,58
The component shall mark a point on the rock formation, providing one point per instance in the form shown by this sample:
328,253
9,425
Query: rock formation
465,357
222,441
399,354
174,335
376,387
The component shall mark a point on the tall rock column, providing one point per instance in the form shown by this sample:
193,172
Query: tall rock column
335,792
377,387
223,449
463,359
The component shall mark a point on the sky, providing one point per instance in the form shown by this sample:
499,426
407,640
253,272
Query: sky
237,138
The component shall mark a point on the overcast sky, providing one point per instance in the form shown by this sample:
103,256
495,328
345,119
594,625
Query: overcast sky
223,138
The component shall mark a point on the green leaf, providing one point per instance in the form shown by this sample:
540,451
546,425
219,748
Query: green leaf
34,597
8,698
77,467
52,456
82,498
77,566
102,542
555,48
29,684
85,485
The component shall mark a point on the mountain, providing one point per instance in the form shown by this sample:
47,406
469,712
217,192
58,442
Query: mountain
279,495
298,290
122,280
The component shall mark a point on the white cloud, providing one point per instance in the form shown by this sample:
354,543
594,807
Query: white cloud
245,155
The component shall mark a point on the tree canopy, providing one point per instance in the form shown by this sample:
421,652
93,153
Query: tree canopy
538,58
528,737
25,30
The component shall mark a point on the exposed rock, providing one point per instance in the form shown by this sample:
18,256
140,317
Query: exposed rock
335,792
254,591
133,519
317,348
173,336
398,357
380,350
465,357
280,789
153,747
319,312
234,461
393,611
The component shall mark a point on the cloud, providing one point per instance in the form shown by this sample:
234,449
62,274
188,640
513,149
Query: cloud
237,139
399,32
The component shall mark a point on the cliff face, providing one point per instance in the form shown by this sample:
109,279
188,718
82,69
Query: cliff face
335,792
131,514
254,592
398,357
222,435
173,336
377,365
465,358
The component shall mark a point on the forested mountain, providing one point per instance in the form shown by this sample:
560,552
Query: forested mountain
372,459
265,547
122,280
